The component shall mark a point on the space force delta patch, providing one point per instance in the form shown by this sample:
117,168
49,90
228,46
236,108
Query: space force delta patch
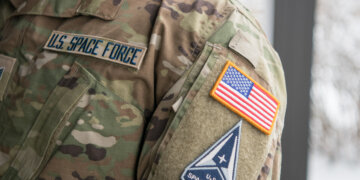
1,71
107,49
247,98
219,162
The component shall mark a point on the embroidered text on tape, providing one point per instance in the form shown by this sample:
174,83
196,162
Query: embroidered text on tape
107,49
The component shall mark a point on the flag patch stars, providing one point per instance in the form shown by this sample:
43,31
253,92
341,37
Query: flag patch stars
242,95
219,161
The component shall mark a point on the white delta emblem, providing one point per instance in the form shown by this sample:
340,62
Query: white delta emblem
219,161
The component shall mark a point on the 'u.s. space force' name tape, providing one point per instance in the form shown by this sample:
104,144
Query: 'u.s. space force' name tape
103,48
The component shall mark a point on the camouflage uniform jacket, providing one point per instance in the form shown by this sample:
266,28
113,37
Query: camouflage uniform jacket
75,115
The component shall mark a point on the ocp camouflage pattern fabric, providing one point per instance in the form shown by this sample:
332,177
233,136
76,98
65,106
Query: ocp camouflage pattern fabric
71,116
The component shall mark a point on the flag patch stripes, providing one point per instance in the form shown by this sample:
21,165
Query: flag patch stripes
244,96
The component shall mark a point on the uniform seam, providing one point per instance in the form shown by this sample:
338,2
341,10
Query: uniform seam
219,22
85,72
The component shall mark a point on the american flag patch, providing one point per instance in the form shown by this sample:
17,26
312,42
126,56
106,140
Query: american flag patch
242,95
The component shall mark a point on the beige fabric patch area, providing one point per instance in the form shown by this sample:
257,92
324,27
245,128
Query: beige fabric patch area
203,124
247,46
127,54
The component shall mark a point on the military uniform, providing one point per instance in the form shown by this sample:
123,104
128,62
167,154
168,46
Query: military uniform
119,89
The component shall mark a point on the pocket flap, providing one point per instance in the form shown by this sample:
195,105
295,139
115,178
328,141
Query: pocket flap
248,46
257,50
103,9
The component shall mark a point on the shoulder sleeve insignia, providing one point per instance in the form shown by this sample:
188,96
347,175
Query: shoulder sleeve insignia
219,162
242,95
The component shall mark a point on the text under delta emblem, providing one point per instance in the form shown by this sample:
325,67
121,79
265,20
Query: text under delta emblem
219,162
107,49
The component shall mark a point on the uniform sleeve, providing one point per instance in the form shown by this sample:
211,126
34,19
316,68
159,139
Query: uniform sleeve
277,163
271,170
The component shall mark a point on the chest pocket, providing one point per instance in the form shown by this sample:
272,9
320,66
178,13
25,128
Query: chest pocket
83,125
103,9
81,116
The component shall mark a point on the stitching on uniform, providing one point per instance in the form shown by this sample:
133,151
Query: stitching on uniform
218,21
215,46
85,73
156,153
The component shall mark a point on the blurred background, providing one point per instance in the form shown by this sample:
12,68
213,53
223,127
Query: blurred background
318,42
